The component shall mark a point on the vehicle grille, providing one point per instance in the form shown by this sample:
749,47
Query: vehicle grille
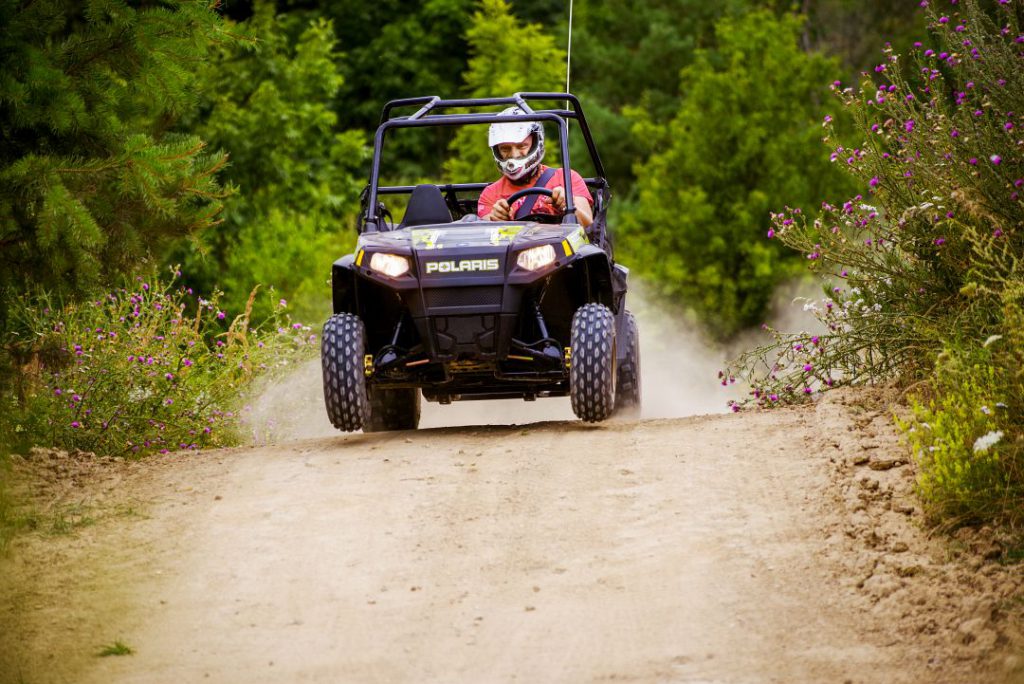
463,296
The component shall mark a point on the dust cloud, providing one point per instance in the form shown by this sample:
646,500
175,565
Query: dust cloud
679,376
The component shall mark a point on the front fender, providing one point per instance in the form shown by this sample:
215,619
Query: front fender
596,270
343,276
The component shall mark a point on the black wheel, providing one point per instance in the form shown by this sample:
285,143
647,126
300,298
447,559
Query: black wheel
393,409
592,366
627,385
341,355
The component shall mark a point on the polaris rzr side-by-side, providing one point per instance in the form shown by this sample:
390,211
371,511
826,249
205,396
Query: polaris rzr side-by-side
453,307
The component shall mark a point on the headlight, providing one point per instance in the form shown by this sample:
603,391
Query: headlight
536,257
389,264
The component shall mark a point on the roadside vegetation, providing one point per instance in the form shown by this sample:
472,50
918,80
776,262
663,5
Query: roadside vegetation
231,140
922,267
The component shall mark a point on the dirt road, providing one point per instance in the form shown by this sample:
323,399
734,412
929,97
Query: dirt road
729,548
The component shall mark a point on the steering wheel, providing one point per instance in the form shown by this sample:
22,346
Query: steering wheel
537,217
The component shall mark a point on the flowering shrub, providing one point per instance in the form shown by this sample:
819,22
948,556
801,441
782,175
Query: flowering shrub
146,368
924,264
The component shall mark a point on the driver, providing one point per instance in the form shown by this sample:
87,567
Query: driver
518,150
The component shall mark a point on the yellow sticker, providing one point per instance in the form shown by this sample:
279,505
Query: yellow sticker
429,238
505,234
359,258
577,239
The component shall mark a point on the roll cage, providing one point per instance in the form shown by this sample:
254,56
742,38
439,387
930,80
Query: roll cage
429,114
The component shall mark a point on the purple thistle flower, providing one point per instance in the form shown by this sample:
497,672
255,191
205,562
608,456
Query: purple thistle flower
221,315
169,376
186,362
909,125
996,159
873,182
939,241
75,424
771,233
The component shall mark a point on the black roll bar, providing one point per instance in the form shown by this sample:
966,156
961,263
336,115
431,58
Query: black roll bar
428,115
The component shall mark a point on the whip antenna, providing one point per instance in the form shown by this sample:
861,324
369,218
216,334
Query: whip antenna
568,52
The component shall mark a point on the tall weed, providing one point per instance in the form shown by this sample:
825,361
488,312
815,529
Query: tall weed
146,368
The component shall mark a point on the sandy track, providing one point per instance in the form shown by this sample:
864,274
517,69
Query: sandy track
705,549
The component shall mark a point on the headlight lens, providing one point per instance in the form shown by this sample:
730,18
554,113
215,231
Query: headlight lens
536,257
390,265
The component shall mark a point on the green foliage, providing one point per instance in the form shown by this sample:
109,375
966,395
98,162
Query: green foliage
508,57
741,142
270,107
928,266
92,180
148,367
970,452
629,53
396,49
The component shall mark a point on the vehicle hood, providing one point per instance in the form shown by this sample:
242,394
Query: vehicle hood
474,235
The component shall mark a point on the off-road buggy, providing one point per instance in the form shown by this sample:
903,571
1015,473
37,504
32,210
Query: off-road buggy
457,308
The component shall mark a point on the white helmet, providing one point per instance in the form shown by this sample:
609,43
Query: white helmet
516,132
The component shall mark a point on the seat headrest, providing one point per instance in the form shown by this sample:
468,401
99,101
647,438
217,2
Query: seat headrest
426,206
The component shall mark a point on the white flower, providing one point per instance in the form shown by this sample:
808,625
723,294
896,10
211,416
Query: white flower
986,441
986,410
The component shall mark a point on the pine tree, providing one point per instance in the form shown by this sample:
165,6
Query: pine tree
93,179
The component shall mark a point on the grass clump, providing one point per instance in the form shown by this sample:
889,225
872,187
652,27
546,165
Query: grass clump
115,649
923,270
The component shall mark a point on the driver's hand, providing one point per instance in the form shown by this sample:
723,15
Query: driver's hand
558,198
501,211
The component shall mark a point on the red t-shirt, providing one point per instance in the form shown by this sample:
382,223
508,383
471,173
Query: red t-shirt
503,188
